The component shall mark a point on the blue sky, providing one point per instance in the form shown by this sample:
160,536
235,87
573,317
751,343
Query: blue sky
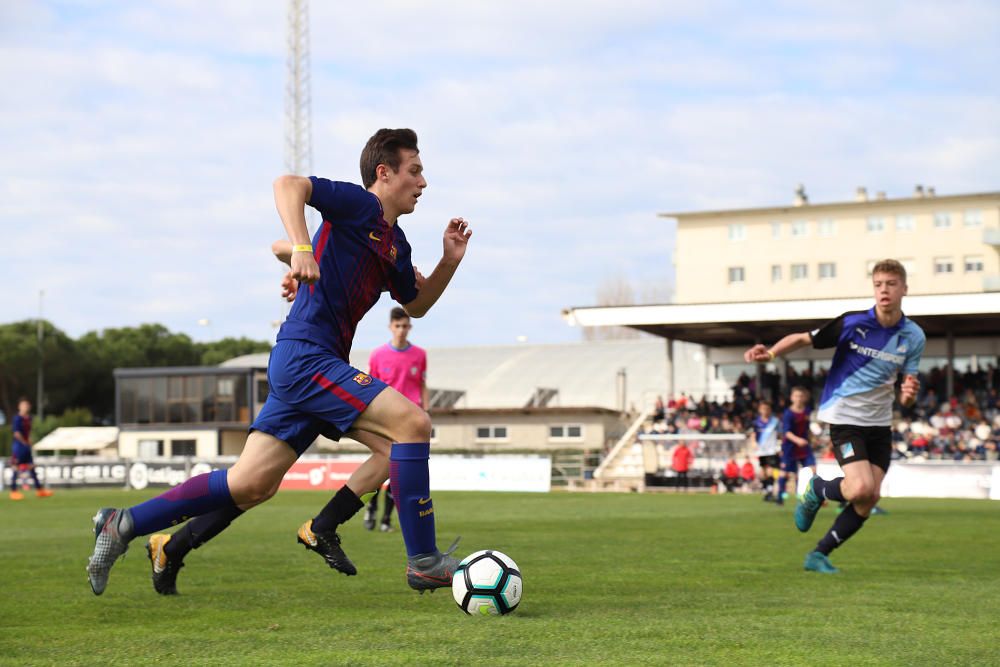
140,141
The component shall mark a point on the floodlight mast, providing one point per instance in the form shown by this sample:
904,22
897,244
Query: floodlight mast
298,113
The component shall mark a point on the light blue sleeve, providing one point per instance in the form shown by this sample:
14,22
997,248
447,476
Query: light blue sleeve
913,355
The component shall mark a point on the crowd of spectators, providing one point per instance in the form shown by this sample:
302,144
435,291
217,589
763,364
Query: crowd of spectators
964,426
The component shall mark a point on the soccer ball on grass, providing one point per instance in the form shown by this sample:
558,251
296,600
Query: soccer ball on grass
488,583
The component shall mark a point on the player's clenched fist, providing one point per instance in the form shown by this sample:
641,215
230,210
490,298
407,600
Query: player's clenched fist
289,287
304,268
758,352
908,390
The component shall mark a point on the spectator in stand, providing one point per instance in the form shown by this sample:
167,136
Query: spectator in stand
659,410
731,475
681,461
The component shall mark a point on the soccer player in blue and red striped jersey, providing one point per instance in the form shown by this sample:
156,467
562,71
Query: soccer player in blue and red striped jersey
358,252
796,451
873,347
21,459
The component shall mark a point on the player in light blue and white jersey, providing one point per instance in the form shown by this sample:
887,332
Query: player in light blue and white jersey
766,428
872,348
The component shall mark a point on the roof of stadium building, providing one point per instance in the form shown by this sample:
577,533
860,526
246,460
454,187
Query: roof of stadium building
509,376
726,324
866,204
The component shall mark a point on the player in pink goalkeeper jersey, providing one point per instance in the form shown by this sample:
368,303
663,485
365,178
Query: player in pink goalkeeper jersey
403,366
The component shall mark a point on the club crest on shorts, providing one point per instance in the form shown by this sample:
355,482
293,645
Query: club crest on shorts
847,450
363,379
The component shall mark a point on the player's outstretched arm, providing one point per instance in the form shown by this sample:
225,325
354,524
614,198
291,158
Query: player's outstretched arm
790,343
290,196
456,240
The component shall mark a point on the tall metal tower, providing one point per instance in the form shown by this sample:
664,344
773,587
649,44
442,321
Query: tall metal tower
298,115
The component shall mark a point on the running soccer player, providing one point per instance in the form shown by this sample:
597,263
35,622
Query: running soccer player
358,251
765,430
796,451
22,459
403,366
872,348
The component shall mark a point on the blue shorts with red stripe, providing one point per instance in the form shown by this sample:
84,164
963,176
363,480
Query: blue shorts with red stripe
21,454
312,392
794,457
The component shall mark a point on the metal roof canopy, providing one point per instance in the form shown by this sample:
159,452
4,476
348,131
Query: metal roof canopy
732,324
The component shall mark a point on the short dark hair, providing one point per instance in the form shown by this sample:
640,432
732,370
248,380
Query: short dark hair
890,266
398,313
798,388
383,148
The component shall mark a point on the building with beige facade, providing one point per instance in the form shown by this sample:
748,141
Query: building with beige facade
948,243
753,275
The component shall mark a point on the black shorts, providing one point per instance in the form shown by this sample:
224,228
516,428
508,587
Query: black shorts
772,460
862,443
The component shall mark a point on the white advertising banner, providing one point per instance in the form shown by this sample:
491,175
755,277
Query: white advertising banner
491,473
931,479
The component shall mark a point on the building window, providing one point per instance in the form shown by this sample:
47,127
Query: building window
491,433
434,434
826,227
876,224
566,432
737,232
973,263
905,223
942,220
183,447
775,230
737,274
800,271
800,228
827,270
150,449
775,273
184,399
973,218
943,265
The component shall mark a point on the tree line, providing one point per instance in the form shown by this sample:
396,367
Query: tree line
79,387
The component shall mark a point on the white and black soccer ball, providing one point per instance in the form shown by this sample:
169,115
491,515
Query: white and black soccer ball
488,583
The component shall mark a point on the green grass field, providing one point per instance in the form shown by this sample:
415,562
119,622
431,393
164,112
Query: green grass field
608,578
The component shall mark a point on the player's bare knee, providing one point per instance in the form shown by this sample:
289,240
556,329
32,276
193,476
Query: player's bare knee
252,492
417,425
858,491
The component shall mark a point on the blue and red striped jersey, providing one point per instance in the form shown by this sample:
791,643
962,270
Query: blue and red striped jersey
359,255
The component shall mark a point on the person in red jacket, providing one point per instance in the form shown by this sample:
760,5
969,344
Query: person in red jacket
681,463
748,474
731,475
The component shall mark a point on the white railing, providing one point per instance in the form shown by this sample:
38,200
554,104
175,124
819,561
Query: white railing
626,439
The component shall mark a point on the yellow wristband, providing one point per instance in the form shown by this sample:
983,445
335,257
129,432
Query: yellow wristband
771,354
302,248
